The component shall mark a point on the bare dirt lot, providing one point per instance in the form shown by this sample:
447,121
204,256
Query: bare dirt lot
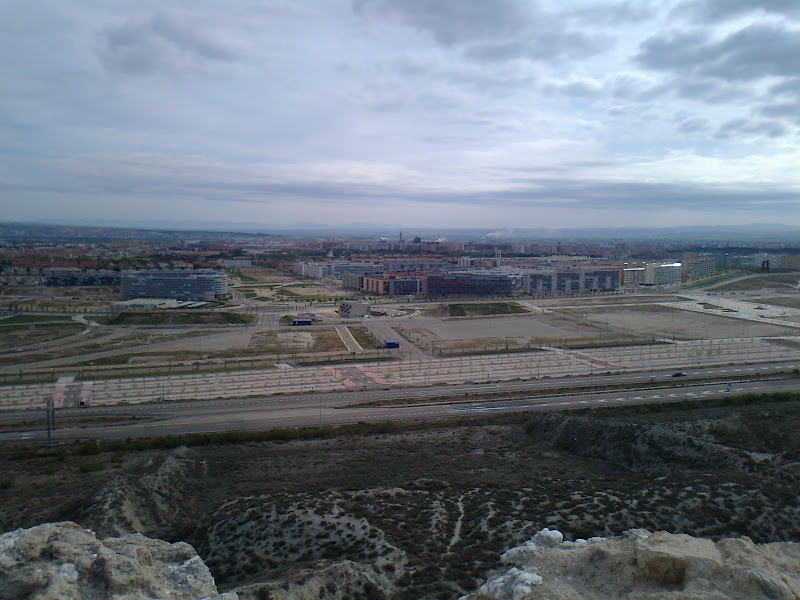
496,332
670,322
285,342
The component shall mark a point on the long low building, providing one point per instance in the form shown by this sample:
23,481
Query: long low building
572,281
180,284
468,283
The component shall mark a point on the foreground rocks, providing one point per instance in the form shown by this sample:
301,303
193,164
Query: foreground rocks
63,561
639,565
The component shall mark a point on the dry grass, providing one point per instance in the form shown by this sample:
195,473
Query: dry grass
786,301
18,336
364,338
777,281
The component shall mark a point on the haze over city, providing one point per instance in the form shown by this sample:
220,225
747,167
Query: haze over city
448,114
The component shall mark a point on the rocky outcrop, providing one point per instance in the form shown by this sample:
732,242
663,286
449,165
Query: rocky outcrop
148,498
639,564
63,561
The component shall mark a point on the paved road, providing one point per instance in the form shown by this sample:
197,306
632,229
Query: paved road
348,339
383,331
341,408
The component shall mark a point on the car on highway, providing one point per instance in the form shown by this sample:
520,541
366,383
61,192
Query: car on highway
679,374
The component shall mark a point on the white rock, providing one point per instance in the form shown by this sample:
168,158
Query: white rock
548,538
68,572
656,566
60,561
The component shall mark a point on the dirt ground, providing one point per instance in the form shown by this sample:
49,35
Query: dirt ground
536,326
262,292
670,322
286,342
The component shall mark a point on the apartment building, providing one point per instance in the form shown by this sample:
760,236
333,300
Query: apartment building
662,274
697,266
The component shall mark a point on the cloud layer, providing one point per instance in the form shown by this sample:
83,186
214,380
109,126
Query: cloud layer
430,112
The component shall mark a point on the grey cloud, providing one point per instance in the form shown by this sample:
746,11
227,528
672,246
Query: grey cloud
190,40
434,85
576,89
442,102
788,110
454,22
541,45
698,89
497,31
710,91
614,14
747,127
169,177
789,87
754,52
623,111
629,86
694,125
159,44
460,74
591,194
675,50
705,11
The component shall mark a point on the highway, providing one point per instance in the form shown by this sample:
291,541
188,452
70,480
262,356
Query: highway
313,409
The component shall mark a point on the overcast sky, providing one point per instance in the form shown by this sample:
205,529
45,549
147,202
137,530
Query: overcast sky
448,113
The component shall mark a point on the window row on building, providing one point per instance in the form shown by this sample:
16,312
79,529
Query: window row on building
339,268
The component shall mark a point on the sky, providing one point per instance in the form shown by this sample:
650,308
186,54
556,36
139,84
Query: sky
426,113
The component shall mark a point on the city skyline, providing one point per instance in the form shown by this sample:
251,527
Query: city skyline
437,114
